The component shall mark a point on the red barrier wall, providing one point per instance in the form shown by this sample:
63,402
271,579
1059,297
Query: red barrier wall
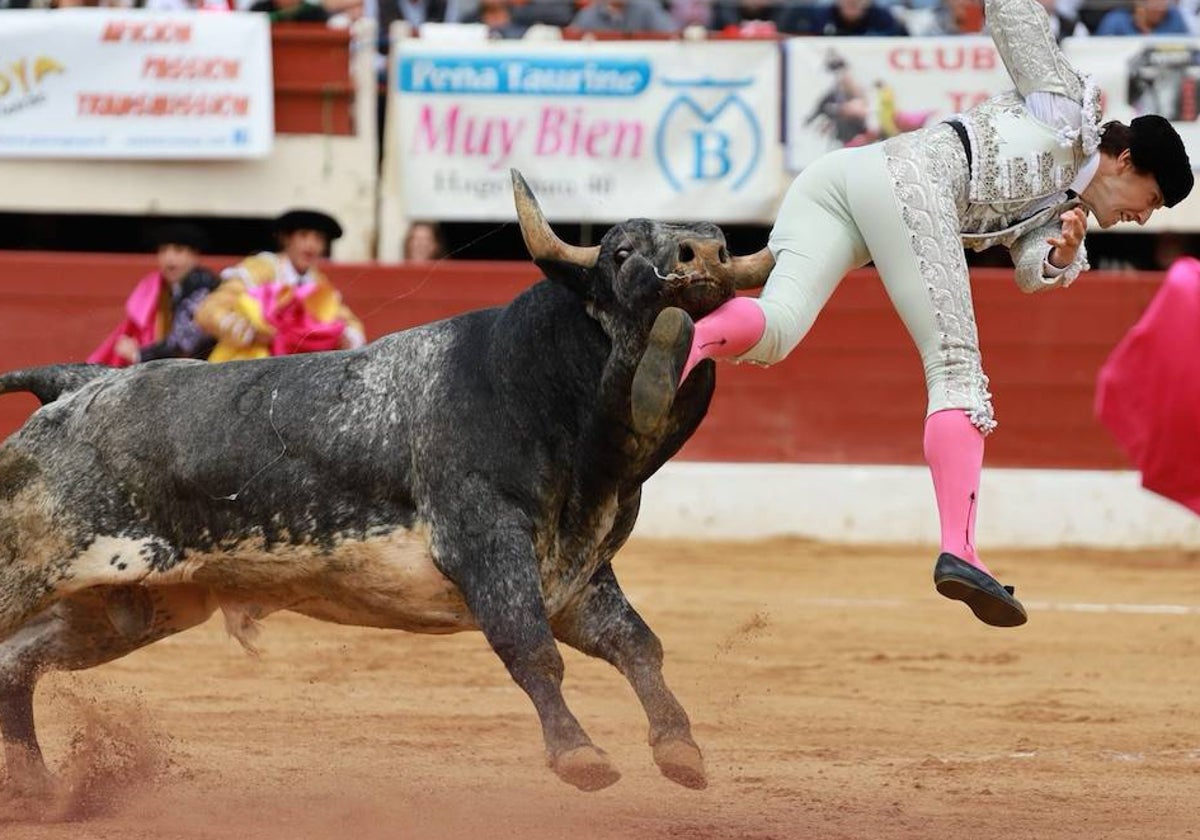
851,393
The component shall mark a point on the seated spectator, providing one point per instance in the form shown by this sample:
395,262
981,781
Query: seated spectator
1144,17
738,14
159,313
292,11
691,13
545,12
843,17
276,304
624,16
423,243
497,15
948,17
1064,20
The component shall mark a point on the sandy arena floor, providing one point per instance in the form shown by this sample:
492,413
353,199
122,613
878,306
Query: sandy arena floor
834,693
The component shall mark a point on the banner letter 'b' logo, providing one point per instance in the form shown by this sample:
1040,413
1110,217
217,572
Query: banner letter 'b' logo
710,155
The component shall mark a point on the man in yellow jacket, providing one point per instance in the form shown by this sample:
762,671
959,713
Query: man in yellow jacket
276,303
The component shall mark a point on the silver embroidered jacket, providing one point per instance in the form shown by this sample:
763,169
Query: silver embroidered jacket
1021,167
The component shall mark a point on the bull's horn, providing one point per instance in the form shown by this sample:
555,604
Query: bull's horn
750,272
541,241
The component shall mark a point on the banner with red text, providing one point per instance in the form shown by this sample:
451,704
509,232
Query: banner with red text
109,83
603,131
852,91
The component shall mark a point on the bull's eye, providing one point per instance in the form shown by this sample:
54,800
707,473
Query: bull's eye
622,255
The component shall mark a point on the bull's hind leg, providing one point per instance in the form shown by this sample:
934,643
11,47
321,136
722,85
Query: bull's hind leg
602,623
497,572
85,630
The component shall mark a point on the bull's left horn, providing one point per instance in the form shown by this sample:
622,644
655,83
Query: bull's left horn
542,242
750,272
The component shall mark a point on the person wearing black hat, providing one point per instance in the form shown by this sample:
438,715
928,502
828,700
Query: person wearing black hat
290,295
1023,169
160,313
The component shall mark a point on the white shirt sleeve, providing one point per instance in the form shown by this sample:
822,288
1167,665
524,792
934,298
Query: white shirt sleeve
1054,110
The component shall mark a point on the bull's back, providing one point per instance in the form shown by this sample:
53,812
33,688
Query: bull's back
300,448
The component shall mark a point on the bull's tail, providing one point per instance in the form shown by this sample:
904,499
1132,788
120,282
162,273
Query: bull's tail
52,381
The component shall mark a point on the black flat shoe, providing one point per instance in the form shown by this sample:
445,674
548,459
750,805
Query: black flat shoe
992,603
658,373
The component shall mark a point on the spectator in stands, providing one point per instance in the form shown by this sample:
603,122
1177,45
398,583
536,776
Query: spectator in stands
418,12
1064,20
843,17
159,313
292,11
911,204
738,15
546,12
275,304
423,243
691,13
1144,17
624,16
497,16
949,17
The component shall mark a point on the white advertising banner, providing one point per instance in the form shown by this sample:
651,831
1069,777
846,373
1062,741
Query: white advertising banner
106,83
852,91
1138,76
603,131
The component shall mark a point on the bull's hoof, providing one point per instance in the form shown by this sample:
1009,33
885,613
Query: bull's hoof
27,776
587,768
680,761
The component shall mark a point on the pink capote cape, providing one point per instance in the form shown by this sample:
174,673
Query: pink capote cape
303,318
141,321
1148,391
297,328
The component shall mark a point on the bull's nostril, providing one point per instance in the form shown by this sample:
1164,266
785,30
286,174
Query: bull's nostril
686,254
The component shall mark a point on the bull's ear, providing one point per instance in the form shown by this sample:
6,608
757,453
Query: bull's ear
564,263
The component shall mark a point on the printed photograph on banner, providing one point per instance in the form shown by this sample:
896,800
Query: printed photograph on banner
603,131
116,83
1138,76
853,91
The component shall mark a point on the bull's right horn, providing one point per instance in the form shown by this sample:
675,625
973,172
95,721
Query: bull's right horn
542,242
751,272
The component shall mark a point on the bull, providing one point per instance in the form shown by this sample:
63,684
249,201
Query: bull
477,473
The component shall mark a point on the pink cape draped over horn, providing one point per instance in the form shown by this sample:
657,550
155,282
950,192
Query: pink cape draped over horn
1148,391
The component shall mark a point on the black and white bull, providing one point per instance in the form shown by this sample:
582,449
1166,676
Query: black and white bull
478,473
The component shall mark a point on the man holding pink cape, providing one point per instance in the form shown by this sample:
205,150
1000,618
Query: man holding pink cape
275,304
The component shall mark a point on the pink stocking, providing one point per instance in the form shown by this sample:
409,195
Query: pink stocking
729,330
954,450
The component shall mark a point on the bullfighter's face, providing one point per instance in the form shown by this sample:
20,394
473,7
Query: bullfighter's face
175,261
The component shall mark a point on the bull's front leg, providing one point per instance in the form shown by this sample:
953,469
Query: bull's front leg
496,570
602,623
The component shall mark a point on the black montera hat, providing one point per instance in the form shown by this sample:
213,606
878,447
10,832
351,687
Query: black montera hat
179,233
294,220
1156,147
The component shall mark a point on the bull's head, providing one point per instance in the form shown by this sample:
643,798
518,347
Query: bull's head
642,263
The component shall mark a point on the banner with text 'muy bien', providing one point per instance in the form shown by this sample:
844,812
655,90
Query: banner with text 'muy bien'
603,131
110,83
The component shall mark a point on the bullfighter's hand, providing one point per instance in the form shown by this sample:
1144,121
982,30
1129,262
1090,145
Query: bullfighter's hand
127,348
1066,245
352,338
239,331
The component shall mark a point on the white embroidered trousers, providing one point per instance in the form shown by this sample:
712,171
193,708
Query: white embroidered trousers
899,204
